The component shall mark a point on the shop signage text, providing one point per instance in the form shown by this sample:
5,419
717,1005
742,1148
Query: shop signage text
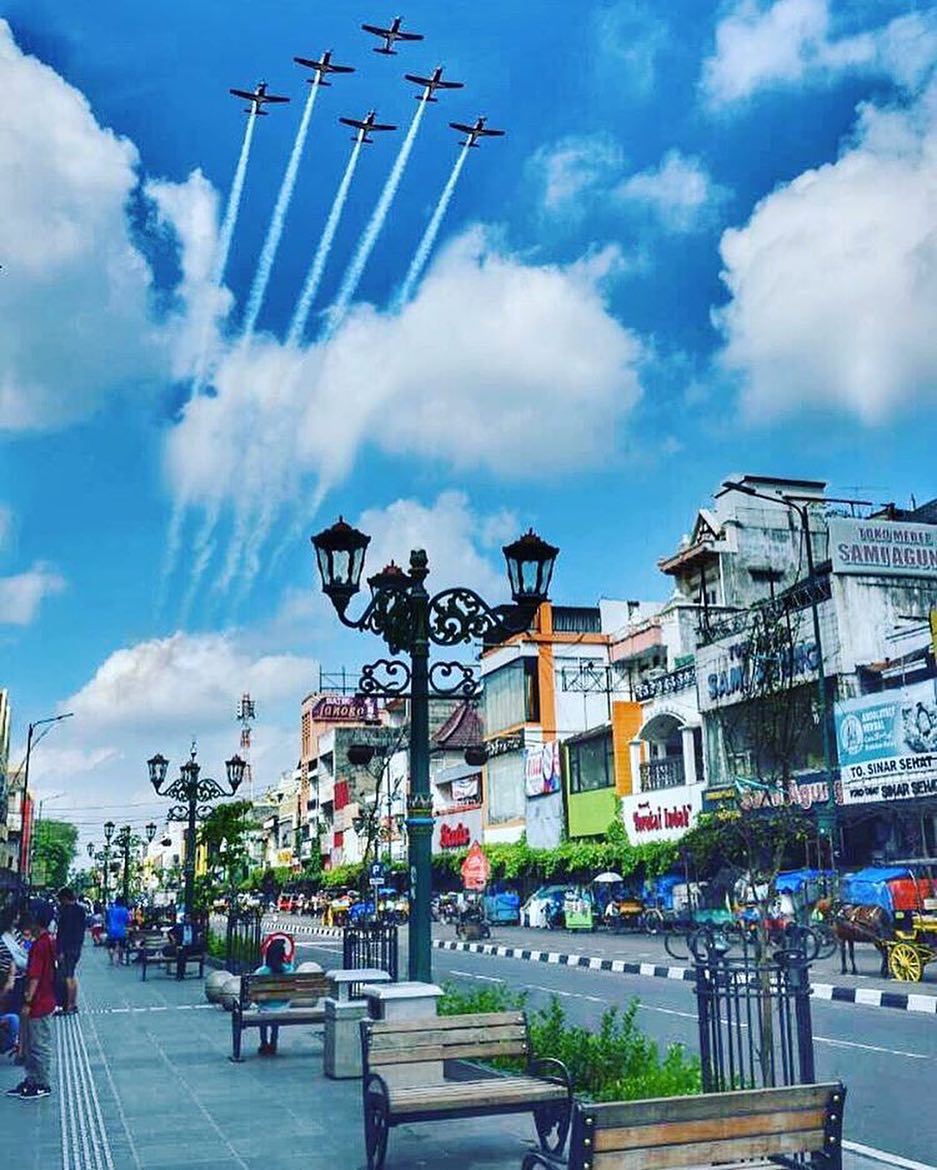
883,548
454,836
345,709
542,769
653,817
735,678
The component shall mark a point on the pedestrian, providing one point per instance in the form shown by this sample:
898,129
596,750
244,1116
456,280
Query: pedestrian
72,923
9,1012
13,959
97,925
118,919
274,964
39,1002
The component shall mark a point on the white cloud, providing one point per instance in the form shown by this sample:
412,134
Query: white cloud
21,595
679,191
834,277
465,374
631,37
79,320
763,44
572,167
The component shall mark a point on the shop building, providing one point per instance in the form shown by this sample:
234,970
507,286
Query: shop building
455,784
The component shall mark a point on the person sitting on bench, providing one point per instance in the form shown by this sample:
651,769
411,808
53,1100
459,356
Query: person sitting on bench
274,964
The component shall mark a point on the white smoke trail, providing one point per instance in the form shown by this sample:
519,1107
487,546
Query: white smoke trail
202,552
356,269
422,253
314,276
226,235
267,256
171,555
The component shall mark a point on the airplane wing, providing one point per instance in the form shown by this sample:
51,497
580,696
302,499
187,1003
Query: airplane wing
354,122
420,80
379,126
492,133
341,69
402,36
309,64
375,31
450,85
273,98
242,93
464,129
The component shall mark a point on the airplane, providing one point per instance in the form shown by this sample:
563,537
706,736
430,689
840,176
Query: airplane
475,132
322,68
365,127
257,99
431,84
391,35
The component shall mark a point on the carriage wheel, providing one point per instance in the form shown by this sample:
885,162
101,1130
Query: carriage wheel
905,963
552,1122
375,1131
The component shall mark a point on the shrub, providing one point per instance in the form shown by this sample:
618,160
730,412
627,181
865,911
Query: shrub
616,1062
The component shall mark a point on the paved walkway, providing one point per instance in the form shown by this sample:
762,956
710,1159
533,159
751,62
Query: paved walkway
143,1082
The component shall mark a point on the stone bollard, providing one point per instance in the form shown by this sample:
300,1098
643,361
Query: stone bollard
230,991
214,983
341,1056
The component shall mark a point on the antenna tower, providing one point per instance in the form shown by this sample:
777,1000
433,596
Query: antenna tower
246,713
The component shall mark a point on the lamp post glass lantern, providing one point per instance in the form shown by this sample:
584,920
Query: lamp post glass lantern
409,620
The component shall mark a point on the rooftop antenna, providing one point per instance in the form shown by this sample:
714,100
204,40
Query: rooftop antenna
246,713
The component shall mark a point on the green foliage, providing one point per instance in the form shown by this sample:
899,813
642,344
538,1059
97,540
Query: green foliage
344,877
615,1062
758,840
55,847
577,860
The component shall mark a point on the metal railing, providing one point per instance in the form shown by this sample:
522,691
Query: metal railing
755,1026
242,941
666,773
370,944
670,683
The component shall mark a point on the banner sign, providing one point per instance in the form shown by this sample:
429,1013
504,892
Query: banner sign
542,769
475,869
888,744
724,675
888,548
465,788
664,816
345,709
715,799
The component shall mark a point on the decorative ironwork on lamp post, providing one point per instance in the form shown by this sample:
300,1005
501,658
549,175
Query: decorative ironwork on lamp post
409,620
193,792
128,841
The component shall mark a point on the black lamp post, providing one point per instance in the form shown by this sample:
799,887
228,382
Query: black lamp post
193,793
409,619
127,841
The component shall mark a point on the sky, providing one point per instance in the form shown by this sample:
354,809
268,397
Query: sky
706,244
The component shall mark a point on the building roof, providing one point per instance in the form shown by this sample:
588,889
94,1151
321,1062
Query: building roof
462,729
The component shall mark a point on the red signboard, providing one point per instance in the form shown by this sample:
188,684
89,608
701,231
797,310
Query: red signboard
345,709
454,836
475,869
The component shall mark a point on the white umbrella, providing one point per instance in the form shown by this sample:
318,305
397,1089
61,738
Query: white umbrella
608,876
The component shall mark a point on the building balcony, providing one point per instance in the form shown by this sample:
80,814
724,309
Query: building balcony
666,773
670,683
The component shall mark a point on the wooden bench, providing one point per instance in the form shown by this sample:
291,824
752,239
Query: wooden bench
146,945
762,1127
175,957
405,1076
307,986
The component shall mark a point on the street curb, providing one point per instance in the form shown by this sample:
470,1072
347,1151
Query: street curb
863,996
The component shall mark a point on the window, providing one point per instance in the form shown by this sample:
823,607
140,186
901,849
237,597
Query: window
591,763
512,696
506,787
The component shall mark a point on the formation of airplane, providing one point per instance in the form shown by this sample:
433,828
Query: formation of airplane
432,83
322,68
258,98
365,126
391,35
479,130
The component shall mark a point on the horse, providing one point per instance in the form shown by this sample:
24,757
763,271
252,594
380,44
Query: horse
866,924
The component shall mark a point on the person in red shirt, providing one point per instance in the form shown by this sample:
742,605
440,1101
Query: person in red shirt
39,1001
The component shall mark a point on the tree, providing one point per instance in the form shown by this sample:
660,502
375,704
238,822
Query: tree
223,834
55,847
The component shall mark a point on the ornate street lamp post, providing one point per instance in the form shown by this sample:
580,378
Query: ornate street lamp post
193,793
126,842
409,619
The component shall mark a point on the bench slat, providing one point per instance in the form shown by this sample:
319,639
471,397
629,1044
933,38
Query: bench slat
622,1114
481,1019
392,1041
709,1153
474,1095
676,1133
429,1052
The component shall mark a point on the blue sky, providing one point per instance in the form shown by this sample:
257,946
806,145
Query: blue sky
706,244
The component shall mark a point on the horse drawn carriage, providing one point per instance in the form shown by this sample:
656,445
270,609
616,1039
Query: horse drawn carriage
895,908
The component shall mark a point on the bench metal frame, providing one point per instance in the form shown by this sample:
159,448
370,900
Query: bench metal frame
551,1118
776,1143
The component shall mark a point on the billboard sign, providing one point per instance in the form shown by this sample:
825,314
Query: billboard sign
888,744
345,709
542,769
661,816
888,548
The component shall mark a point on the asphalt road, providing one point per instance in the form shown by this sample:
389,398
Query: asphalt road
887,1059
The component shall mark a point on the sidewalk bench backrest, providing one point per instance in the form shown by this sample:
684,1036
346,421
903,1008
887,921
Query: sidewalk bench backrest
257,989
715,1127
470,1037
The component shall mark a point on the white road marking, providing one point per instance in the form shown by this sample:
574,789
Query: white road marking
887,1158
471,975
870,1048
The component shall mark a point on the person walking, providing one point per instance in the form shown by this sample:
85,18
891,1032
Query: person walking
39,1003
118,919
72,923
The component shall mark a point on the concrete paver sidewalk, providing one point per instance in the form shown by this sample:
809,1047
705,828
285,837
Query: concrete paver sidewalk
143,1082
